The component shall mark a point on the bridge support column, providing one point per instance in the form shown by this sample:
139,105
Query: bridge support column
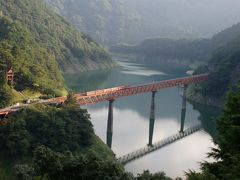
184,108
110,124
152,119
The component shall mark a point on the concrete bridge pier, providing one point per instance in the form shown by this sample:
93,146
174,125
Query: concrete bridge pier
110,124
152,118
184,108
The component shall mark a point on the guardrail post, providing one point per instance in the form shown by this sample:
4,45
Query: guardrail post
152,118
110,124
184,108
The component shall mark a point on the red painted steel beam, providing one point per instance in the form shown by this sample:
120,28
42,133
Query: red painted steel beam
123,91
98,96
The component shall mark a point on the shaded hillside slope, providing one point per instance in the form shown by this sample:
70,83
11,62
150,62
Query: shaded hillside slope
39,45
161,48
72,49
107,21
224,69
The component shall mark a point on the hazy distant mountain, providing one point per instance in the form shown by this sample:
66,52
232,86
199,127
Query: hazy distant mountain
131,21
107,21
199,18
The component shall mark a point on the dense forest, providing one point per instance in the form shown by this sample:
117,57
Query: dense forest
72,49
35,67
43,142
39,45
224,68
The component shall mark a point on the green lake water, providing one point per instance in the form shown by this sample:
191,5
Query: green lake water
131,118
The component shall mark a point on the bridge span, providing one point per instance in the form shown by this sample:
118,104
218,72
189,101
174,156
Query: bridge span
97,96
112,94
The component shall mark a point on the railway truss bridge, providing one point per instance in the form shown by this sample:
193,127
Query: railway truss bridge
112,94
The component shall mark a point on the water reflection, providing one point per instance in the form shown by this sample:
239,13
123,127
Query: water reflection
137,69
176,158
130,128
131,119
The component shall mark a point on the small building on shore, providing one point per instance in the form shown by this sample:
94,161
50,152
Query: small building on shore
10,76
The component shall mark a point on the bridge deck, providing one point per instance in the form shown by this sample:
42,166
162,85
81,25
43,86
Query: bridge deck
158,145
98,96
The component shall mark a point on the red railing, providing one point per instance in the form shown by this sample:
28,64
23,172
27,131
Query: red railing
97,96
123,91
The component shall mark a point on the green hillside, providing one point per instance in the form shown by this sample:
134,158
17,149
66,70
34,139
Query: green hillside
35,68
58,143
72,49
39,45
65,131
224,69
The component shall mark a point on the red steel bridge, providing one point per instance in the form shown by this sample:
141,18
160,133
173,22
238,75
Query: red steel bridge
112,94
97,96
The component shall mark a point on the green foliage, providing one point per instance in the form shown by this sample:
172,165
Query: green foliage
229,125
37,43
32,64
224,62
67,166
5,96
53,33
3,174
192,175
24,171
227,156
71,101
146,175
59,129
168,48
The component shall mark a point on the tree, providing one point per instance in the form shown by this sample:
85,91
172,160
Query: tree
146,175
71,101
227,155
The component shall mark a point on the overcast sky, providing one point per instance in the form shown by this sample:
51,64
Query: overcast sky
203,16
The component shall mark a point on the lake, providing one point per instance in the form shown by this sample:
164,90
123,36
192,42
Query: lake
131,118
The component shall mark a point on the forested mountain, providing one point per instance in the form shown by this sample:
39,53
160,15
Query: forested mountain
220,56
71,48
224,67
226,36
58,143
54,139
107,21
125,21
37,43
162,49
